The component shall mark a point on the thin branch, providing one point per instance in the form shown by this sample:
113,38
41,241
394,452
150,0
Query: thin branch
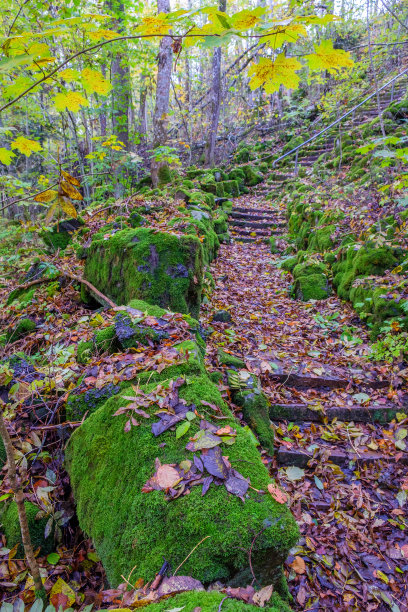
394,15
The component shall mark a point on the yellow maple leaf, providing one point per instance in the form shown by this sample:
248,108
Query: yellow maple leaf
6,156
94,82
17,86
98,35
271,74
154,25
247,19
69,75
62,587
279,35
327,58
72,101
46,196
26,146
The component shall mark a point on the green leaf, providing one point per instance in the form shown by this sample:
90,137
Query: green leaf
294,473
190,416
182,429
53,558
13,62
318,483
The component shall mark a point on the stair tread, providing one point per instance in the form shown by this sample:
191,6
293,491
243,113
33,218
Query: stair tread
378,413
300,457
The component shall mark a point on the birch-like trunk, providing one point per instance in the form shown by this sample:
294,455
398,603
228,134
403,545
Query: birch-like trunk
215,100
159,169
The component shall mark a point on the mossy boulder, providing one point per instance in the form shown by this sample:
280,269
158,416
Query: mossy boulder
247,394
85,351
229,360
60,235
157,267
11,528
231,188
252,177
321,239
311,287
210,601
22,328
131,529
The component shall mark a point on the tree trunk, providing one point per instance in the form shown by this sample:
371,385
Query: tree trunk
120,79
142,121
159,169
215,100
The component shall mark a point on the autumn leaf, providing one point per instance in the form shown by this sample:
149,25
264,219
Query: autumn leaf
26,146
98,35
278,495
272,74
70,191
291,33
298,565
246,19
154,25
70,179
69,75
46,196
62,588
72,101
94,82
167,476
6,156
67,206
327,58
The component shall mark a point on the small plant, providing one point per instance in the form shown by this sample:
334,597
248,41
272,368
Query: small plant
393,346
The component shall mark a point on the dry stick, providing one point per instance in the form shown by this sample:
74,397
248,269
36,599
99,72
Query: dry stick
22,516
183,562
222,601
79,279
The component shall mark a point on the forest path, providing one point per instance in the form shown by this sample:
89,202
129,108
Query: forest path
337,452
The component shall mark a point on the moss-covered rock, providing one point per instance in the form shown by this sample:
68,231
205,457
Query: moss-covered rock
105,340
109,467
252,177
22,328
321,239
60,235
230,360
210,601
11,528
157,267
231,187
85,351
311,287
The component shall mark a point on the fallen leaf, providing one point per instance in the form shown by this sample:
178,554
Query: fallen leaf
261,597
277,493
298,565
167,476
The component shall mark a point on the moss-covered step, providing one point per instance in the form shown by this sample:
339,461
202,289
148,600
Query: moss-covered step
157,267
131,529
10,526
210,601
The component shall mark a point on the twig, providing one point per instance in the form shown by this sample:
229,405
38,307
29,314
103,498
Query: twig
222,601
197,545
74,277
56,426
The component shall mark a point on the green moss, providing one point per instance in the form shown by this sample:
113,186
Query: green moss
108,468
23,296
150,309
210,602
289,263
243,155
231,188
220,224
3,454
21,329
307,268
105,340
311,287
229,360
83,403
131,333
255,408
85,351
11,528
164,175
321,239
136,219
237,174
252,177
157,267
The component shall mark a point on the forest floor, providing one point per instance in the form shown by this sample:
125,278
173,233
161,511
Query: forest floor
354,549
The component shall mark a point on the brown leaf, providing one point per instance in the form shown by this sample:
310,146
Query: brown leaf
70,191
167,476
177,584
298,565
261,597
70,178
278,495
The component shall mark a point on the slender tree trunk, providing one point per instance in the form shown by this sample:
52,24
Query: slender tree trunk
120,79
142,120
160,118
373,70
215,100
102,115
22,515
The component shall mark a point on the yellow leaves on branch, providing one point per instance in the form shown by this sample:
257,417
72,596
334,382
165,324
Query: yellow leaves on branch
247,19
98,35
271,74
154,25
46,197
6,156
327,58
281,34
69,75
94,82
72,100
26,146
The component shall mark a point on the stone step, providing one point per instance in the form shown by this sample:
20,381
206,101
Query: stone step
299,380
300,458
248,239
255,224
360,414
271,218
253,210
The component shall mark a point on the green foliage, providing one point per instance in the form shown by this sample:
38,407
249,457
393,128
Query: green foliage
392,347
11,528
210,602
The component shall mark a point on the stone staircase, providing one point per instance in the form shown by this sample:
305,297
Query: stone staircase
252,224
